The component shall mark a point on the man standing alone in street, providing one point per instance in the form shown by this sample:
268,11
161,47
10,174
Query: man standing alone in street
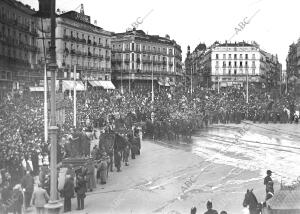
268,182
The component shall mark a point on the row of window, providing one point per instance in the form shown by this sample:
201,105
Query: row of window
235,56
140,47
17,54
142,67
138,56
93,39
235,63
19,36
22,19
83,48
234,72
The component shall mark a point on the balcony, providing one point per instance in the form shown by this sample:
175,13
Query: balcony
89,54
82,41
171,54
34,32
107,58
100,45
73,52
73,38
89,42
127,60
66,51
101,57
94,43
66,37
107,46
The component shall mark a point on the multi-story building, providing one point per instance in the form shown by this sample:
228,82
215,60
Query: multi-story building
78,42
136,56
230,64
18,45
293,60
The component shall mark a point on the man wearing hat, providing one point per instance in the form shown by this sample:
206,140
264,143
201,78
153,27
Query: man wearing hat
268,182
210,210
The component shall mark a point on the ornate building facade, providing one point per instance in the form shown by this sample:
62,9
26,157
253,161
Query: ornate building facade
18,46
231,64
78,43
137,56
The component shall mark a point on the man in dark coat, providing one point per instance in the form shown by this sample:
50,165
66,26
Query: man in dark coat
210,210
268,182
68,193
118,158
6,194
80,190
27,184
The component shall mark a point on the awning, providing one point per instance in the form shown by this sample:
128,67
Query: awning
107,85
95,83
36,88
69,85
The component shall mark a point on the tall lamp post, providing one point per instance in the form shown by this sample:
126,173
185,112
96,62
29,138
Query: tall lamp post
152,86
53,205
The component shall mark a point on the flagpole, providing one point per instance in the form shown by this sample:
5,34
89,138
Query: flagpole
45,104
74,100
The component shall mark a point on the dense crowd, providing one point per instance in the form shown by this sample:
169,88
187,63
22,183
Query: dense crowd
173,113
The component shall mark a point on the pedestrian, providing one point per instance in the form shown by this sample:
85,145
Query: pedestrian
126,155
210,210
223,212
39,198
193,210
27,184
68,192
103,171
80,190
267,179
118,159
17,196
6,194
90,177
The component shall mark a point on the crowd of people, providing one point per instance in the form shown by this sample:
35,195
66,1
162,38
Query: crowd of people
172,113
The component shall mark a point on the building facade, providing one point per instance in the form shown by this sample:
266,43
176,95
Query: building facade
18,46
293,60
78,43
137,56
232,64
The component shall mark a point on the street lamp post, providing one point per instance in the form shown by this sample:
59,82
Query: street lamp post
192,78
152,86
53,205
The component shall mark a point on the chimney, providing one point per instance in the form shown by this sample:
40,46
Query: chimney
167,36
44,8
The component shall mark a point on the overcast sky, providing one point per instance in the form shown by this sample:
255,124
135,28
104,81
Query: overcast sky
274,24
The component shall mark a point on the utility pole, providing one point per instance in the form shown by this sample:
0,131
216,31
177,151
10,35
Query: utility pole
192,77
45,104
74,99
53,205
247,88
152,86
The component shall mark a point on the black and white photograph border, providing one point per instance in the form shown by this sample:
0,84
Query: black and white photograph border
149,107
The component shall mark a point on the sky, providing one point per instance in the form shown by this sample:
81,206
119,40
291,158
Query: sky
273,24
